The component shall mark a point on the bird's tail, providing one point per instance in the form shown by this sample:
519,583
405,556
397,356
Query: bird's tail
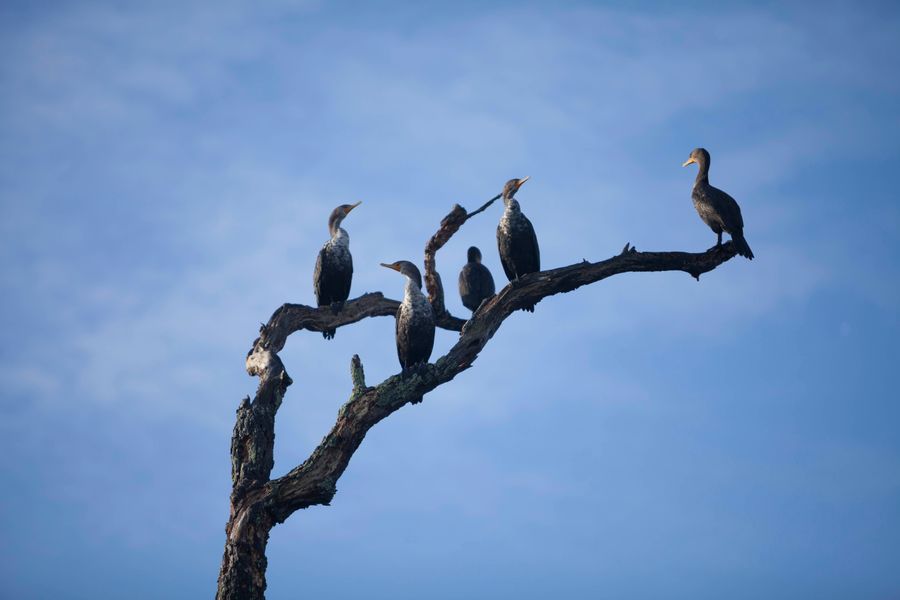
407,372
743,248
328,334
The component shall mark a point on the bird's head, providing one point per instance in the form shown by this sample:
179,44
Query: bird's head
699,156
474,255
512,186
338,214
404,267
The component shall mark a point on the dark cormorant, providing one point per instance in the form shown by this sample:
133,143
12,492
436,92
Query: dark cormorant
415,320
518,245
475,281
334,266
717,209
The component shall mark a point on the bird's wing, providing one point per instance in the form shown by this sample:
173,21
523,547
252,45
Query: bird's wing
485,282
505,248
319,283
421,339
400,336
526,249
521,246
537,248
344,276
332,277
729,210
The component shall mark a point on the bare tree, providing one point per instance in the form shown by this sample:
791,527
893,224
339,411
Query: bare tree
258,503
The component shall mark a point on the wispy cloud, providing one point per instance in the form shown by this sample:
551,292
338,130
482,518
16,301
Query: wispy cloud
166,172
407,118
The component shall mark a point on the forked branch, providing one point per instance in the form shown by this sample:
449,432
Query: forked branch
314,481
258,503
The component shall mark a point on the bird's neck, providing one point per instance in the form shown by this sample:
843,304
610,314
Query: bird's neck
702,175
412,290
334,222
340,237
511,204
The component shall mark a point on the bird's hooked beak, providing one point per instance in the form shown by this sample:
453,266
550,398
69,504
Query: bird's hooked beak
352,206
393,266
523,180
689,161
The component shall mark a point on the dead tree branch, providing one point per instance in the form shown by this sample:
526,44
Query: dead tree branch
314,481
258,503
483,206
449,225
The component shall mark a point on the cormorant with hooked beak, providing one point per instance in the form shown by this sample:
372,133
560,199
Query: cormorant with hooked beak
717,209
334,265
415,320
518,245
475,281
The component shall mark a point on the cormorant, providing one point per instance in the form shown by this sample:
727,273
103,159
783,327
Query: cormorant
717,209
415,320
334,265
518,245
475,281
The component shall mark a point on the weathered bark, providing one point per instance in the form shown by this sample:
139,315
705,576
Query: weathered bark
243,573
258,503
449,225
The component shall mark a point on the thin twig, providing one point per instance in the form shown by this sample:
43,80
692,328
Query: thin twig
483,206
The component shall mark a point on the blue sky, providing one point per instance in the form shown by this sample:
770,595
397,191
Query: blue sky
166,174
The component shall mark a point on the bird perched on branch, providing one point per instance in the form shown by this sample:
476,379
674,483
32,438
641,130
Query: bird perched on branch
717,209
516,240
415,320
334,265
475,281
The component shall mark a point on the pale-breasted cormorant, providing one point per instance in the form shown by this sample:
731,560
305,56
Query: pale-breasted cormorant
475,281
415,319
717,209
518,245
334,265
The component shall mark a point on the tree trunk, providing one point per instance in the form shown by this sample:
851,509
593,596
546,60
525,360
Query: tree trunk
243,573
